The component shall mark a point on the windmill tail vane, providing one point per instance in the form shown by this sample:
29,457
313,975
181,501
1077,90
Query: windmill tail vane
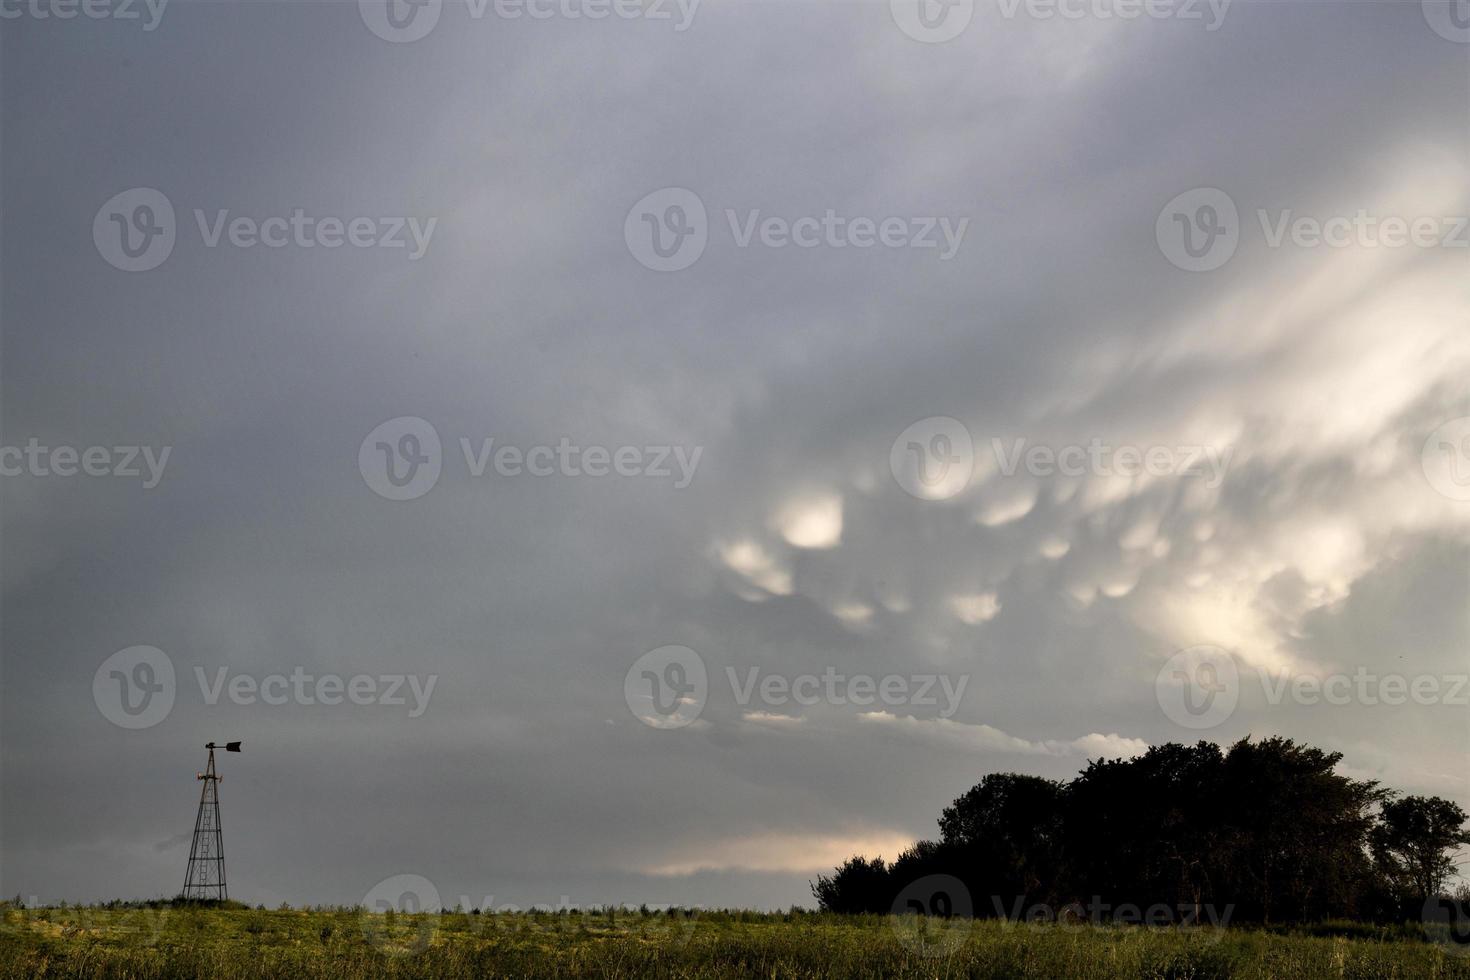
205,877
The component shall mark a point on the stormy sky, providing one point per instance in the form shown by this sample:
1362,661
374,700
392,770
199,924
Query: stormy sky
1037,381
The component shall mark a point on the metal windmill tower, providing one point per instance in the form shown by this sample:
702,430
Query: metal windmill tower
205,877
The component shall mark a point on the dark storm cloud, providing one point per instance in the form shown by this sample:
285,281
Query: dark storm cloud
1058,320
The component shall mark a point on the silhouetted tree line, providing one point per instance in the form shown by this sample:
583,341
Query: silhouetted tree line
1264,829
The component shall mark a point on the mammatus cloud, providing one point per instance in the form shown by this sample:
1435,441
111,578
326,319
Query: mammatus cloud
975,609
811,521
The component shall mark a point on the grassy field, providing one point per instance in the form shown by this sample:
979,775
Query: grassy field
142,943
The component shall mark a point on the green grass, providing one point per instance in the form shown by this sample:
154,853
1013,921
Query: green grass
144,943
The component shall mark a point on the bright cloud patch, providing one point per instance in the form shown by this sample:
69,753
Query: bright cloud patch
811,521
777,853
943,731
1008,506
975,609
757,566
771,718
853,613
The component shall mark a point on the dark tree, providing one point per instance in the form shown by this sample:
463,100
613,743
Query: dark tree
1263,831
1004,836
925,858
1147,831
1414,843
1295,831
858,886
